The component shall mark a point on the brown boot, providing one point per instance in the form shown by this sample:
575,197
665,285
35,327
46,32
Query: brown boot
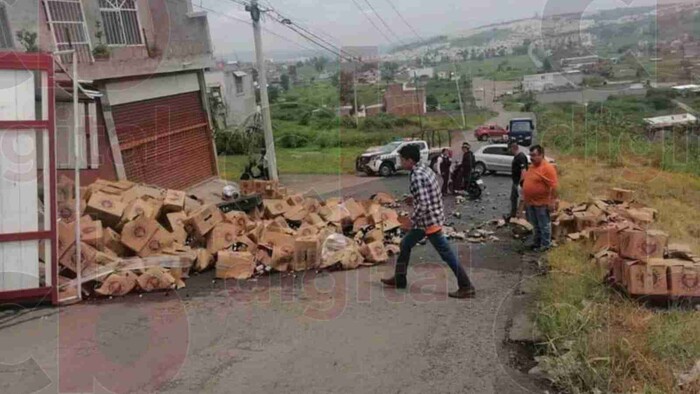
399,283
463,292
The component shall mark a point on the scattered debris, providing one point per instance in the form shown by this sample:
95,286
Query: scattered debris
141,238
638,259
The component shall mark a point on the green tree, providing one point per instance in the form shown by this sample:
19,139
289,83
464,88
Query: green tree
389,70
547,65
431,102
284,81
319,63
28,40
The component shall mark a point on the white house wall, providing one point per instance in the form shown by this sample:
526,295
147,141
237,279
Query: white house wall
19,200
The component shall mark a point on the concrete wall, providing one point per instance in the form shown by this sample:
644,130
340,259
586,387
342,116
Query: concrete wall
586,95
238,105
177,39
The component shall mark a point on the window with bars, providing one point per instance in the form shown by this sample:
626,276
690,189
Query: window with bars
67,21
121,22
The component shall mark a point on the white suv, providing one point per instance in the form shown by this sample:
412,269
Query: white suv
498,158
385,161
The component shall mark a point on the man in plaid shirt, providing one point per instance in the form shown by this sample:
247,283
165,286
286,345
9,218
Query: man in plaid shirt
427,219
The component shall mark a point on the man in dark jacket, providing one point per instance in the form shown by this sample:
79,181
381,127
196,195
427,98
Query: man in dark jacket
468,162
518,167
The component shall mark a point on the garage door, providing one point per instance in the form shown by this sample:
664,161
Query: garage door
165,141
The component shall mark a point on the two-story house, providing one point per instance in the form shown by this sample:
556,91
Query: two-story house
232,92
148,120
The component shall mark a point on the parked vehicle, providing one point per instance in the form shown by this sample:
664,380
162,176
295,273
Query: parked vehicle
385,159
483,133
257,167
497,158
476,184
521,130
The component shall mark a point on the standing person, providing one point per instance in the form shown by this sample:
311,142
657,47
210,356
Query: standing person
540,195
444,163
427,220
518,168
468,163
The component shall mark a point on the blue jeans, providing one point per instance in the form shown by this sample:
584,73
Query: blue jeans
538,216
440,244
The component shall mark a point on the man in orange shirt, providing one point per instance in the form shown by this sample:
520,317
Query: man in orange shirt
540,195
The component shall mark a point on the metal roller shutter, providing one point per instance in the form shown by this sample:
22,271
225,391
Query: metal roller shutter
165,141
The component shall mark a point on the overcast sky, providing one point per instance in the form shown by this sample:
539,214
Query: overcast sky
348,23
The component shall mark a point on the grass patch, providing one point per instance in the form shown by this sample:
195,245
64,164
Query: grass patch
506,68
597,339
298,161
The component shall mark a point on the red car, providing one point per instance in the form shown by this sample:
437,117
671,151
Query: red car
483,133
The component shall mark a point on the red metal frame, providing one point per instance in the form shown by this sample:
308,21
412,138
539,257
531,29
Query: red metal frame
44,63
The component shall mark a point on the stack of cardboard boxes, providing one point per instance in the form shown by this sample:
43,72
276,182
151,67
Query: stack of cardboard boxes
138,237
639,259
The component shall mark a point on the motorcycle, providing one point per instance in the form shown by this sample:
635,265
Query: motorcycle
256,168
473,190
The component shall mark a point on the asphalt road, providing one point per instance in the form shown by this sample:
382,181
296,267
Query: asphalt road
327,332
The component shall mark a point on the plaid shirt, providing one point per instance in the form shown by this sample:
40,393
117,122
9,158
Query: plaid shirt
427,198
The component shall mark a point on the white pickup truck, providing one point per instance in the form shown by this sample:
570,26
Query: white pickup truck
384,160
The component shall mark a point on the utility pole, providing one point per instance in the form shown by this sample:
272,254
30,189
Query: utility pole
420,113
354,92
459,95
264,100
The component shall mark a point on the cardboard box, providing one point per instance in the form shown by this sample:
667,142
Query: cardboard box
377,252
295,200
282,257
272,239
234,265
360,224
605,238
585,220
355,210
156,206
174,201
160,240
91,233
274,208
136,208
66,237
684,278
87,258
222,236
617,265
107,208
113,241
204,219
311,205
605,259
375,235
315,219
248,244
178,222
620,195
642,245
383,198
646,278
247,187
66,210
204,260
65,189
238,218
135,234
296,214
307,253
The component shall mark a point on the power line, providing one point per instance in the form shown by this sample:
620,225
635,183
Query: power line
372,22
306,22
404,20
379,16
213,11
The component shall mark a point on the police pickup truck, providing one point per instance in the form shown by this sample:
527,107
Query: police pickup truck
384,160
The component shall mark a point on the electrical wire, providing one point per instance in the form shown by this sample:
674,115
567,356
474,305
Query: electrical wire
372,22
415,32
379,16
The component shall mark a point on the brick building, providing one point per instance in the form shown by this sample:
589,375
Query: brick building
401,100
147,117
